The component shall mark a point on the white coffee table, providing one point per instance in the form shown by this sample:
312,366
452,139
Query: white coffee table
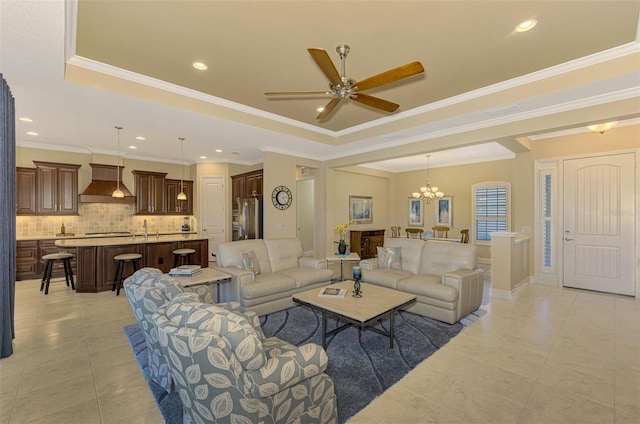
376,303
206,276
351,257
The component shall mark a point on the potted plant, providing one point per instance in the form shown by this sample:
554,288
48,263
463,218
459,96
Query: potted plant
342,244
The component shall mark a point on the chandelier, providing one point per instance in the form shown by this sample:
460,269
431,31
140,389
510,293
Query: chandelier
428,192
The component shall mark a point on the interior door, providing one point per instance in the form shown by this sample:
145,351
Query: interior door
599,210
305,211
212,212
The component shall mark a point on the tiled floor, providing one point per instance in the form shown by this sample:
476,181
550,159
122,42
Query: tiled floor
549,355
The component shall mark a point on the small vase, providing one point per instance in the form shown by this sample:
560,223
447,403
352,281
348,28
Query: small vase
342,248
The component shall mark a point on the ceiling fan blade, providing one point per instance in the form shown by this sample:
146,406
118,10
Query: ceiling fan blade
375,102
275,93
329,108
392,75
326,65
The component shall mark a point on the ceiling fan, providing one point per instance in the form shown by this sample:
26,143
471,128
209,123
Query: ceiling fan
341,87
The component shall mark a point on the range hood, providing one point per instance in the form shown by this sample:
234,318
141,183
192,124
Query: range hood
104,180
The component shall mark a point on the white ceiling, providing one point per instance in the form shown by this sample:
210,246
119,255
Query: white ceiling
79,71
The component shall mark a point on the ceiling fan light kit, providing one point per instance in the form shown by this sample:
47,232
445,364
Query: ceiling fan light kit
342,88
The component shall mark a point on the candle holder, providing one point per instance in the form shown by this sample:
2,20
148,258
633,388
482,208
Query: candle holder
356,289
357,272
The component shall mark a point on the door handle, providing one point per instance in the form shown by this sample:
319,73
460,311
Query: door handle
567,233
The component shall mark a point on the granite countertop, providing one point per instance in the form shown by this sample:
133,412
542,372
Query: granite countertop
129,239
73,236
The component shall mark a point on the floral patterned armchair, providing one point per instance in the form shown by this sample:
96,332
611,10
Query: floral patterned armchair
225,370
148,289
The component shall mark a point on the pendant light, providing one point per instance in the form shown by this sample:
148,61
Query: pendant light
118,194
428,192
181,195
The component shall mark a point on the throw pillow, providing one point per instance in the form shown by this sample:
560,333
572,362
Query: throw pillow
389,257
250,261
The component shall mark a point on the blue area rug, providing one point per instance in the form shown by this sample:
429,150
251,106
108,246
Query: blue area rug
361,364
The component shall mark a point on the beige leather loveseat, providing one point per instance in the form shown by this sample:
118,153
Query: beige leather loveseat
278,270
441,274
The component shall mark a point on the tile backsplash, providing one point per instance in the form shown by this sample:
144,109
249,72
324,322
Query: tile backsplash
99,218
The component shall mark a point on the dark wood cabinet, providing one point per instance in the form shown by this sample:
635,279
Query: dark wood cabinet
29,255
365,243
56,188
87,259
202,250
107,265
254,184
159,255
27,260
175,206
150,192
245,185
96,266
26,191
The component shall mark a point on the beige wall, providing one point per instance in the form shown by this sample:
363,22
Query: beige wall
390,191
358,181
454,181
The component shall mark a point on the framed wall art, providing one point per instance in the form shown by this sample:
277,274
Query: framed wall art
361,209
444,212
416,215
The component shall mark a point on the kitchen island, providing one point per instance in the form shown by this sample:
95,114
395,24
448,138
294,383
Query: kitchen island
96,267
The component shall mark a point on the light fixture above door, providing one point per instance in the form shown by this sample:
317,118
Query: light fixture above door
602,128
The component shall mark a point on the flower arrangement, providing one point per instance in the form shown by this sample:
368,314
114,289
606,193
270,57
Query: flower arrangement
342,229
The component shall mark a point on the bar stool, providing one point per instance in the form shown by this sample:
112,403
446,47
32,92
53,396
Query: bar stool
48,268
121,260
179,256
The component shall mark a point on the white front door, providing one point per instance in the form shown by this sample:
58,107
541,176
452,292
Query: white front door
212,218
599,210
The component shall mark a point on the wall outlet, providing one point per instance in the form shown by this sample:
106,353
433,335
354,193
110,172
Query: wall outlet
525,230
280,226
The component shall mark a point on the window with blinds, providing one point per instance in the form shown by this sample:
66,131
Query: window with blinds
491,206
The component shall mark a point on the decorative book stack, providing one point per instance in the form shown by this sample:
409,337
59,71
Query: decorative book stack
185,270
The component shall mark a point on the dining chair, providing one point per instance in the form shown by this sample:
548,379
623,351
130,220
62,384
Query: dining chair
414,233
440,231
395,231
464,238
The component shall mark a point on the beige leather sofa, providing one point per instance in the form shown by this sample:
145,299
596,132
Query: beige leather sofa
441,274
283,271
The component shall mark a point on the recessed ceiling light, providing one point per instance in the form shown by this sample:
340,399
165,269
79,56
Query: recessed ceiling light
199,66
133,147
32,133
203,157
140,138
526,25
218,150
320,109
25,119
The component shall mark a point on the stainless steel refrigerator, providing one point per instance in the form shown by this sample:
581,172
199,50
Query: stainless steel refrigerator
250,218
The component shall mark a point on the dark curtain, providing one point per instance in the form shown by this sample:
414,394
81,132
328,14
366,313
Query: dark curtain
8,223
